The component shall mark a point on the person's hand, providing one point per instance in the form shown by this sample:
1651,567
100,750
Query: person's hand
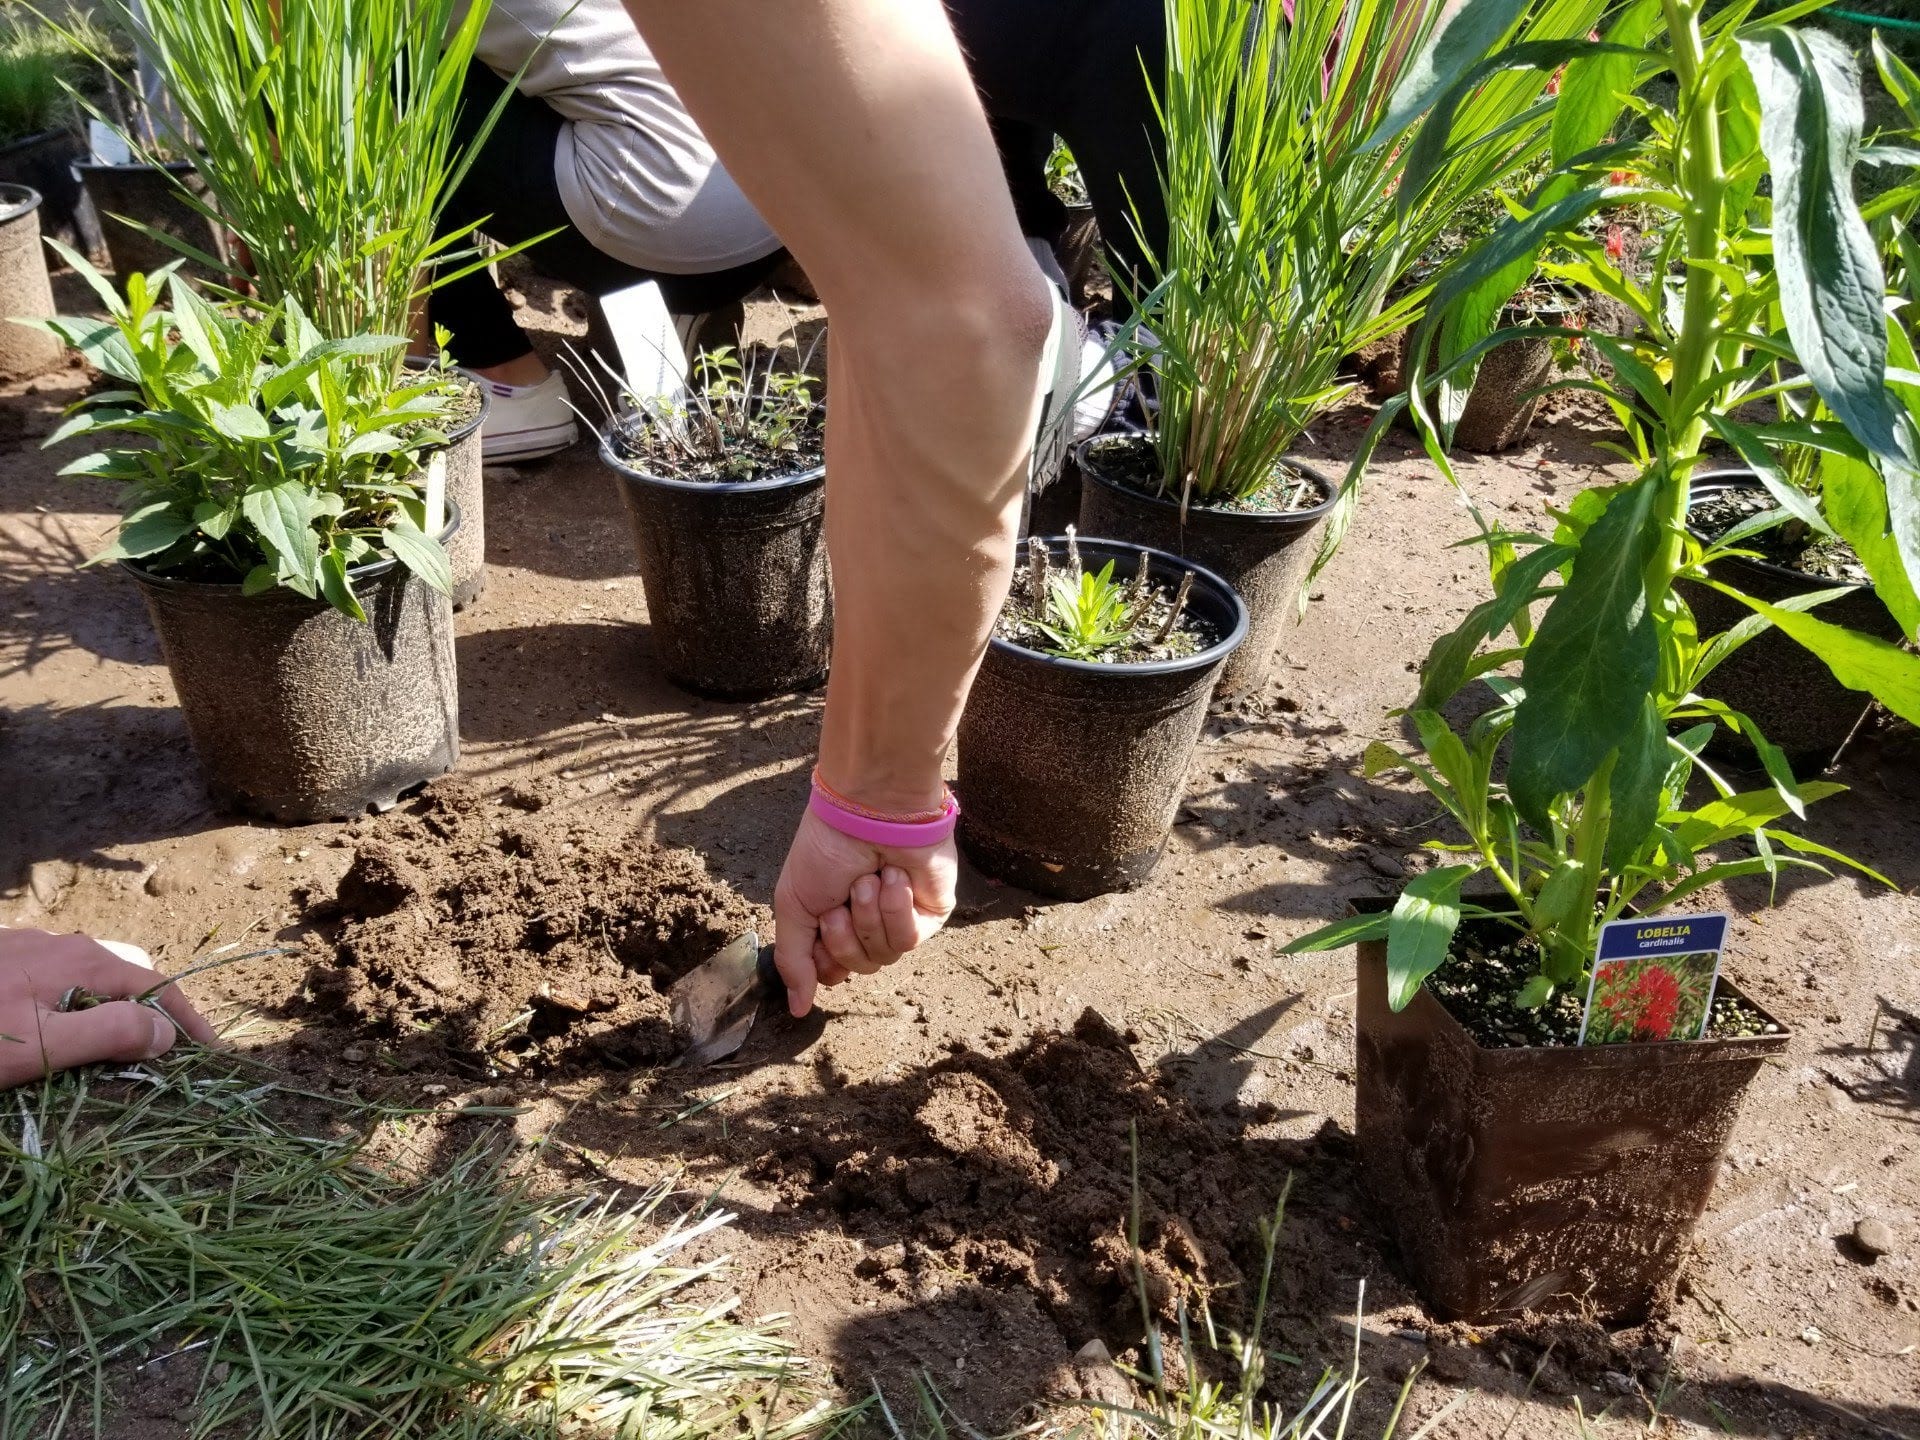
844,907
37,1037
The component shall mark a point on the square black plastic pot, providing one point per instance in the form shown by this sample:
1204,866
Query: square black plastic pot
1544,1179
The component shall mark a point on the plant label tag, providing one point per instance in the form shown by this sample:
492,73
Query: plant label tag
436,497
1654,979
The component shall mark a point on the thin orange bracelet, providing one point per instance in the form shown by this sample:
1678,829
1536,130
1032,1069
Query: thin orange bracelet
854,807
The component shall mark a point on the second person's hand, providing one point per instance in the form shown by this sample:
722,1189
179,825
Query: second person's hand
846,907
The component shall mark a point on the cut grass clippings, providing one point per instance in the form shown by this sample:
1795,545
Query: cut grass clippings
169,1215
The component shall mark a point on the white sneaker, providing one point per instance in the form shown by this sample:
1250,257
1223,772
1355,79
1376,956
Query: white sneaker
527,422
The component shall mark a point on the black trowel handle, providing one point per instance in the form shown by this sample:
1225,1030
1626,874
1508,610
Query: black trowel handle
772,986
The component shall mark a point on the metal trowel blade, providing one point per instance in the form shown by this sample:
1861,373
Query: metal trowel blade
713,1006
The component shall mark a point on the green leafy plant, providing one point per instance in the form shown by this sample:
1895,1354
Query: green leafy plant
325,134
1592,816
251,454
743,417
1292,215
1088,614
38,64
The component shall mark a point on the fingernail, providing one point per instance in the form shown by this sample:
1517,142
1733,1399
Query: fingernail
894,875
865,889
164,1035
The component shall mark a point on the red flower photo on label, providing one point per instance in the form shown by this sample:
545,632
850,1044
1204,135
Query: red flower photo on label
1651,998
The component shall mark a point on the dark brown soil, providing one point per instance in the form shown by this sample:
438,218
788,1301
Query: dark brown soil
1132,461
486,935
1791,544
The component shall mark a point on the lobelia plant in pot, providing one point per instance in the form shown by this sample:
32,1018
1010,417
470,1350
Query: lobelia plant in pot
324,136
1078,732
1289,229
281,519
726,492
1521,1170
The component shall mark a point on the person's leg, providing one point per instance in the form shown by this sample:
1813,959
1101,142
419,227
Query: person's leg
854,128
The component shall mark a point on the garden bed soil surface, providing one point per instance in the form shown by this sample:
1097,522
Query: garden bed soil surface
933,1174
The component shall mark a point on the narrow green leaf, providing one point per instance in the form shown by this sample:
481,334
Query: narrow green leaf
1859,662
1450,660
1758,458
1593,89
282,516
336,587
1464,37
1340,934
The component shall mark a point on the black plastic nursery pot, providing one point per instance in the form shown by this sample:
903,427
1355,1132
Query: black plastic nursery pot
1264,557
149,194
24,352
1543,1179
1071,772
1778,683
466,490
301,714
735,574
45,162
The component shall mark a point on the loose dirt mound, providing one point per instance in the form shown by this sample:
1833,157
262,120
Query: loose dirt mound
489,925
1018,1171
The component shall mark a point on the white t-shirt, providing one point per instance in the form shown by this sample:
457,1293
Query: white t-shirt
638,178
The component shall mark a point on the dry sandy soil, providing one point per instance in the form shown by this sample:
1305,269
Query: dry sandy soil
932,1177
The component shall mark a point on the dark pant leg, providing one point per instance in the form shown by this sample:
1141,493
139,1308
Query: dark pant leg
511,193
1078,69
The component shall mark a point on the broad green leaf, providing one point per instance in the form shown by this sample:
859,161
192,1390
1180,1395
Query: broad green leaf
1535,993
336,587
259,579
147,531
282,515
1381,759
1421,929
1832,287
1721,820
1638,785
214,519
1594,661
241,422
420,553
1859,662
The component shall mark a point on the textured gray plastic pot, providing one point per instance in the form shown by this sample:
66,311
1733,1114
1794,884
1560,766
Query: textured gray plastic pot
151,195
1263,557
1070,772
24,288
1778,683
44,162
735,574
466,489
301,714
1500,409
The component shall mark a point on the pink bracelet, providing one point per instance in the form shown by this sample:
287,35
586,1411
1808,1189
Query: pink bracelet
887,834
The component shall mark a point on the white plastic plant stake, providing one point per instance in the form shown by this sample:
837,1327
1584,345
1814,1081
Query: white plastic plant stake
652,362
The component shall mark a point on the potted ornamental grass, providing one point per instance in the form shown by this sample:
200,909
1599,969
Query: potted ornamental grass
284,515
725,486
323,139
1078,732
1290,224
39,131
1523,1170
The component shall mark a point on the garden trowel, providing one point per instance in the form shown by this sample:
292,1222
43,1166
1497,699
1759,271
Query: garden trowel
714,1005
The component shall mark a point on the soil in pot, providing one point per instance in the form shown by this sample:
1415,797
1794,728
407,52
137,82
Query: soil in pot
1782,686
149,194
1071,771
299,713
1262,546
24,352
733,558
1522,1176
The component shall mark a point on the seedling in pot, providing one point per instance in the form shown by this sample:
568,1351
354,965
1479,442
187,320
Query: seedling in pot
744,416
1080,614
